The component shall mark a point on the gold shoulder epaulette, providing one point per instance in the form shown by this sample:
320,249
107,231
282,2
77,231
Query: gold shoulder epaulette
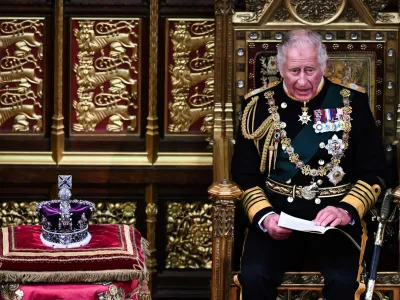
261,89
351,86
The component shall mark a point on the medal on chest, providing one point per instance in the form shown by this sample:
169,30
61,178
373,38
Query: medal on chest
304,118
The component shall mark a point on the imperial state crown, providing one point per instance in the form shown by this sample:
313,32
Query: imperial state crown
65,222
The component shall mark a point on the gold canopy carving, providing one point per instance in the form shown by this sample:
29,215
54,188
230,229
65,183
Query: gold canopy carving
316,12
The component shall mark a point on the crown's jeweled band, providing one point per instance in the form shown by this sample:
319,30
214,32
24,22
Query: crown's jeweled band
66,237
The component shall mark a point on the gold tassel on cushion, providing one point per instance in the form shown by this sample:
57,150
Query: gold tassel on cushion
144,293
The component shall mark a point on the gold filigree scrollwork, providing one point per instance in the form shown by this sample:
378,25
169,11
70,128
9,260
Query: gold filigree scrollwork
151,211
192,76
269,69
388,279
376,5
349,15
113,293
255,9
21,85
315,11
114,213
11,291
303,279
282,14
18,213
189,235
104,74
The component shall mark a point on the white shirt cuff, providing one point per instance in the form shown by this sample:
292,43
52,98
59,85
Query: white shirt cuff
260,223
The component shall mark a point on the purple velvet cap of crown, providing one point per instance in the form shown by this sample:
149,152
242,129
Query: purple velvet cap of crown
52,213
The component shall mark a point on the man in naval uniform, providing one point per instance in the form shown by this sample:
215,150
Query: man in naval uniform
310,148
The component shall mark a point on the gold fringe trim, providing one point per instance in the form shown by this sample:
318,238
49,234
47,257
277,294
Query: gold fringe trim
72,276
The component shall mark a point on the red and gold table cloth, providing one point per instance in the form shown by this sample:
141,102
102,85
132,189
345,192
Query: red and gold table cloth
115,253
111,266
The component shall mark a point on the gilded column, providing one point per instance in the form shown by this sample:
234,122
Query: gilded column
57,129
223,195
223,124
151,212
152,134
222,192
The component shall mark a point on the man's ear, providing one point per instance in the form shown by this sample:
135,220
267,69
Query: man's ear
324,70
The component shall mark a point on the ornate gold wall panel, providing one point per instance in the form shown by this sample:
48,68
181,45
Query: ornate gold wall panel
115,213
189,231
21,75
105,76
189,90
19,213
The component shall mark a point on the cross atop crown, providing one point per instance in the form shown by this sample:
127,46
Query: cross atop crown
64,182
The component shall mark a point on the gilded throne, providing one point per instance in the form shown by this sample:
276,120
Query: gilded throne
362,42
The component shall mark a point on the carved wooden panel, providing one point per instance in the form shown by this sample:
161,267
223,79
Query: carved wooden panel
105,76
189,230
21,76
190,82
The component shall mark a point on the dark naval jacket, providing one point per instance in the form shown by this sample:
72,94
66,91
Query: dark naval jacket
277,185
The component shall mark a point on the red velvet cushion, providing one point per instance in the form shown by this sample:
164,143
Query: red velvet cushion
115,252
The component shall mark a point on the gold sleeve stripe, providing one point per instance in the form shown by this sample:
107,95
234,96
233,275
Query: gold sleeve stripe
256,208
251,193
375,189
361,195
356,203
355,194
367,190
253,200
248,208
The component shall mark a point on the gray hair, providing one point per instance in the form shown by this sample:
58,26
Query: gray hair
302,37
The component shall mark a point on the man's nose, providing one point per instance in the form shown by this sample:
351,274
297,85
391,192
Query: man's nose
302,78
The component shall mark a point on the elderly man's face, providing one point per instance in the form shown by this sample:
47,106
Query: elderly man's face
302,72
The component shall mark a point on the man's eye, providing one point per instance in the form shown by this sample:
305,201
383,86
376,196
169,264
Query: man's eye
309,71
295,71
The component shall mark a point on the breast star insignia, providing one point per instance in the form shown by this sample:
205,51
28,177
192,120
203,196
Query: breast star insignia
304,118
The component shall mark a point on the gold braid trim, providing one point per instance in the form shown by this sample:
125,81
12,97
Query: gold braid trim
72,276
253,201
362,197
267,129
260,132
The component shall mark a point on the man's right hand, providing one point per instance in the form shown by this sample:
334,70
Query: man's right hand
276,232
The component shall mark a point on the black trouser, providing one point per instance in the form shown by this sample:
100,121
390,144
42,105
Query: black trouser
265,261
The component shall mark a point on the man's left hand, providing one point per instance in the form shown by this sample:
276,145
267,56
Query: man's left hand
332,216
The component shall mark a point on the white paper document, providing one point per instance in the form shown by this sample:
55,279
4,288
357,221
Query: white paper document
298,224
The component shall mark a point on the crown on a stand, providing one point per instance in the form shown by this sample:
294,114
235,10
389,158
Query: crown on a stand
65,222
